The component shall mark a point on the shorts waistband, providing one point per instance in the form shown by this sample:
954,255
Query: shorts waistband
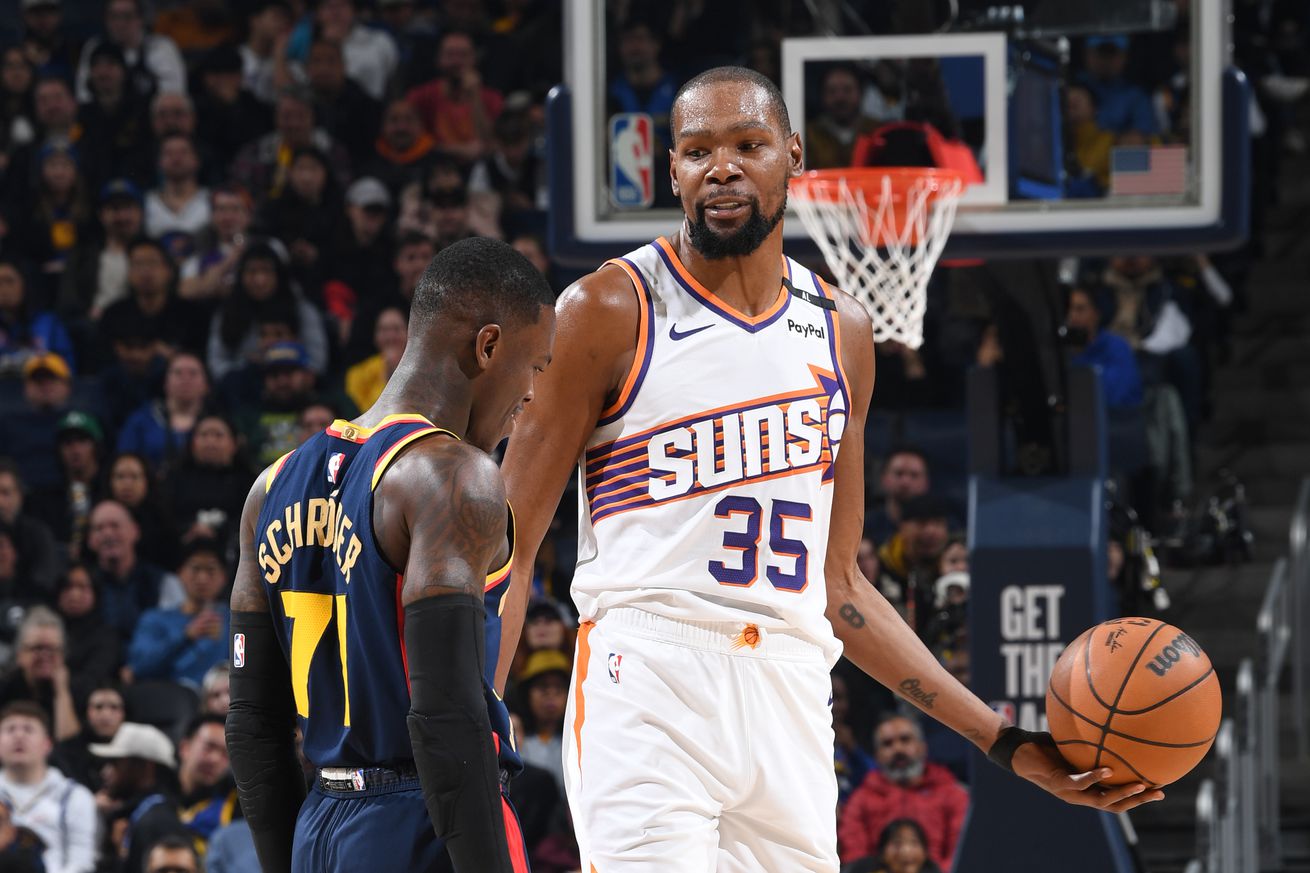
742,638
356,780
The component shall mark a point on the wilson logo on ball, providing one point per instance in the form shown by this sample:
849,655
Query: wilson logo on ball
1172,653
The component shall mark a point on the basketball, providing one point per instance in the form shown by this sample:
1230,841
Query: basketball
1136,695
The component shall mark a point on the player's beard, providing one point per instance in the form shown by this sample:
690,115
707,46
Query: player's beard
740,242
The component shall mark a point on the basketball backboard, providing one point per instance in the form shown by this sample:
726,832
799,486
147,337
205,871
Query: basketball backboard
1131,136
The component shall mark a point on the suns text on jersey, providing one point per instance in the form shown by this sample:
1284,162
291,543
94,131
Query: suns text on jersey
315,523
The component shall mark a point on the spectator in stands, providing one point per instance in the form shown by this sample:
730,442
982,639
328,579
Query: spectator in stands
58,215
904,475
909,558
115,117
128,586
530,246
306,216
641,83
404,152
105,711
40,674
16,113
866,558
360,260
95,275
173,114
830,137
178,209
316,416
210,273
448,200
208,795
208,486
268,26
271,423
154,60
1109,353
851,762
544,688
902,848
92,650
370,55
66,505
181,644
365,380
263,289
132,483
153,301
21,849
232,849
173,854
1145,308
25,329
506,184
906,784
1121,106
45,44
58,809
39,561
159,430
414,251
955,556
135,370
343,108
456,108
1088,143
261,167
56,121
215,693
227,115
138,801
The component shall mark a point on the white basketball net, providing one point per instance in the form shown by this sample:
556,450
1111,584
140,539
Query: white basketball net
882,253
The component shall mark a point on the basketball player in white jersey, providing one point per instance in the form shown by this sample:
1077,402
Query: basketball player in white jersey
712,394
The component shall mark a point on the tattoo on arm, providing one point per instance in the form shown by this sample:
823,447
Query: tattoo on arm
851,615
248,587
913,691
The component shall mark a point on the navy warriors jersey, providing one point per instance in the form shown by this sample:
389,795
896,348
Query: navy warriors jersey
336,600
708,483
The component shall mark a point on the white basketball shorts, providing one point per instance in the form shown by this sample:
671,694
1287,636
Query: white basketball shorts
698,747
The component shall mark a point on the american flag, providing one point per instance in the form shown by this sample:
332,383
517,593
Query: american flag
1148,170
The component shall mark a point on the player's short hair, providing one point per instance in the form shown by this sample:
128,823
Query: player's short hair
479,281
740,74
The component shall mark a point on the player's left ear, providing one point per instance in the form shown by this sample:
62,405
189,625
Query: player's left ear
795,154
486,344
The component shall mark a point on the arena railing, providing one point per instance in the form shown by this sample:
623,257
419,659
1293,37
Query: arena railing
1299,603
1274,624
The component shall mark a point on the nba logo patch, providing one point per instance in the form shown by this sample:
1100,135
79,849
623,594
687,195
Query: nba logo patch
334,466
614,661
357,779
1005,709
238,650
632,160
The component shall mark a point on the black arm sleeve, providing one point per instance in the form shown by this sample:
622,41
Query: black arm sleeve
261,740
451,733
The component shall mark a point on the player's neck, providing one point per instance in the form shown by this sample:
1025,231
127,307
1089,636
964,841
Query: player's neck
444,397
749,283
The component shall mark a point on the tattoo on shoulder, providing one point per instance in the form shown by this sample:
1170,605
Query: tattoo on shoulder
851,615
913,691
468,523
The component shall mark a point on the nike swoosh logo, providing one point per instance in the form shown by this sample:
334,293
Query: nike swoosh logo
675,334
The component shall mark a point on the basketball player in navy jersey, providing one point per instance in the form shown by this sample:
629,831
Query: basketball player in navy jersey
358,606
716,394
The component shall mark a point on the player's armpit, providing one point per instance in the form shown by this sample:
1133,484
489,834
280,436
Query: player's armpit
597,321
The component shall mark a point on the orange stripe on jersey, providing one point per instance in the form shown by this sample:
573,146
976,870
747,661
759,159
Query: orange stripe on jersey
836,333
687,277
274,470
643,340
579,697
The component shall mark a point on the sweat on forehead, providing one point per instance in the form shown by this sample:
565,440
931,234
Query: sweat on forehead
756,92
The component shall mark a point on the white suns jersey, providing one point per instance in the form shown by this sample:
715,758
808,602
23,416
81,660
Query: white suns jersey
707,486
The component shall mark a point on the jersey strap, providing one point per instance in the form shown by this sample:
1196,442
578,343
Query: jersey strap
645,343
390,454
275,469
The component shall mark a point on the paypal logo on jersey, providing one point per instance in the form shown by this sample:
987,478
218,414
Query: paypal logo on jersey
334,466
805,330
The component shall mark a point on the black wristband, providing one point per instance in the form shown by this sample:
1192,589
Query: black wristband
1008,742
